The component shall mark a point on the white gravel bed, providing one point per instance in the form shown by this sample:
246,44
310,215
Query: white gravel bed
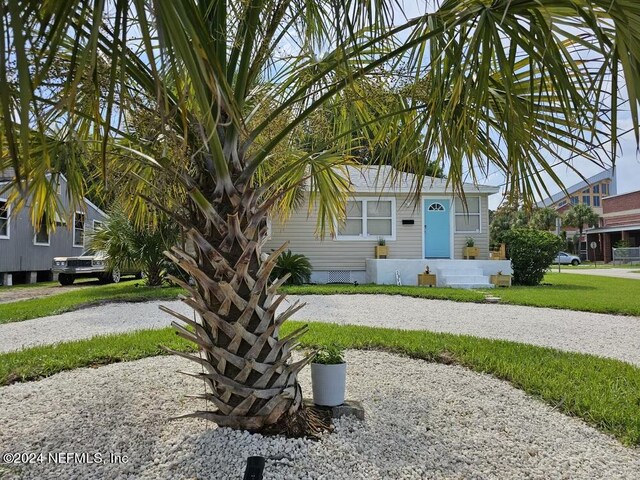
87,323
612,336
423,421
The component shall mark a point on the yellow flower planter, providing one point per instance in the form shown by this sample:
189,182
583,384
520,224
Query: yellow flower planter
425,279
471,252
500,280
382,251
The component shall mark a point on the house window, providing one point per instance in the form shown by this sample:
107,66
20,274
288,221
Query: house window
42,234
596,200
562,203
586,200
97,224
586,190
468,220
5,219
574,200
596,189
368,219
78,229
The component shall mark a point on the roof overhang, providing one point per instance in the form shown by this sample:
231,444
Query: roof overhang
623,228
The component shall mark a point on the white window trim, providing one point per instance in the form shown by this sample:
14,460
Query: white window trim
83,229
97,221
365,236
8,235
469,214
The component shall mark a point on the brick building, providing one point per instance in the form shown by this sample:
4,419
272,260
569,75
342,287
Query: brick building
591,192
619,221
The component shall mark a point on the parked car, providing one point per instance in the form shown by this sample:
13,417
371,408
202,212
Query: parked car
89,264
565,258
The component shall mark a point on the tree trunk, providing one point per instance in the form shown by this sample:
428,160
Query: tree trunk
251,379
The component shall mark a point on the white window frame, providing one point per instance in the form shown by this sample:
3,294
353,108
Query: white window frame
468,214
8,235
365,236
41,244
84,229
97,221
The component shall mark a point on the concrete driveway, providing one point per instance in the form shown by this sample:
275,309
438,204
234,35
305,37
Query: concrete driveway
603,272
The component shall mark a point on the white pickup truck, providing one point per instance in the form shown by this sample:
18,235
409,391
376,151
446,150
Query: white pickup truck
89,264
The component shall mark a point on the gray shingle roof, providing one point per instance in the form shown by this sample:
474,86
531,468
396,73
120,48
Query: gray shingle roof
609,173
374,179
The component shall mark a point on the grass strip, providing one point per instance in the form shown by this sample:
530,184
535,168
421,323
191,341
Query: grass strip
603,392
83,297
568,291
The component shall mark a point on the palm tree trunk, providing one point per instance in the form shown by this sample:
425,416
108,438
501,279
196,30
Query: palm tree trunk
251,379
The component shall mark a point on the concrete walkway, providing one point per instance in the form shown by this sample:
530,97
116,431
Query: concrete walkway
604,272
604,335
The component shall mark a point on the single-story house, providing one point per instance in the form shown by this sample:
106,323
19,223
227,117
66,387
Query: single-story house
26,253
430,232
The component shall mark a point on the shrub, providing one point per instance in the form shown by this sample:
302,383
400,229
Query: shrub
296,264
131,247
329,355
531,252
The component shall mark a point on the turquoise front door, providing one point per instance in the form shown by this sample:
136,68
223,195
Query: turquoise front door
437,229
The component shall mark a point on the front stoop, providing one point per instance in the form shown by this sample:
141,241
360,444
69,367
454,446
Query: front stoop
471,277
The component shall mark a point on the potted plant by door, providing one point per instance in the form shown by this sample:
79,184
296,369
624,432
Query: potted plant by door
329,377
382,251
471,251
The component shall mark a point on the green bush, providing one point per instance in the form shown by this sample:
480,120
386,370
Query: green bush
332,354
296,264
531,252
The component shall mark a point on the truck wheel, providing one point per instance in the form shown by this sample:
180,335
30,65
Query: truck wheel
66,279
115,275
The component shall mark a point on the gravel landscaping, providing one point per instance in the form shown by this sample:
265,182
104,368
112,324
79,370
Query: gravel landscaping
612,336
423,421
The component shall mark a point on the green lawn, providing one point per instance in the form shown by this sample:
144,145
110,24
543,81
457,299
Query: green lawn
603,392
565,291
131,291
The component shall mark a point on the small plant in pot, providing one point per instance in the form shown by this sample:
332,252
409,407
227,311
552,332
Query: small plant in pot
329,376
470,242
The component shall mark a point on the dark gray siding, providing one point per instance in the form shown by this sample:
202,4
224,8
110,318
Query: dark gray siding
18,253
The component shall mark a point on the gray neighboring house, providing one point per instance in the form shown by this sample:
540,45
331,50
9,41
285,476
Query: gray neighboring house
26,253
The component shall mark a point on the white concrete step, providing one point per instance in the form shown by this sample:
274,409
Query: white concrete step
465,279
470,285
446,272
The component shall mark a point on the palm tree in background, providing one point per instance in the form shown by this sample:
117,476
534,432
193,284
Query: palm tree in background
578,216
197,108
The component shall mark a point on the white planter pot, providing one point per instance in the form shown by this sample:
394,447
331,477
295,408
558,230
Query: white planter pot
329,384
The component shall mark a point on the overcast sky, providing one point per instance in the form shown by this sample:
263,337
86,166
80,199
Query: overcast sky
627,163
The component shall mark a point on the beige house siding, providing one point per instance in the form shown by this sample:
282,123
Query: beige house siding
331,254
